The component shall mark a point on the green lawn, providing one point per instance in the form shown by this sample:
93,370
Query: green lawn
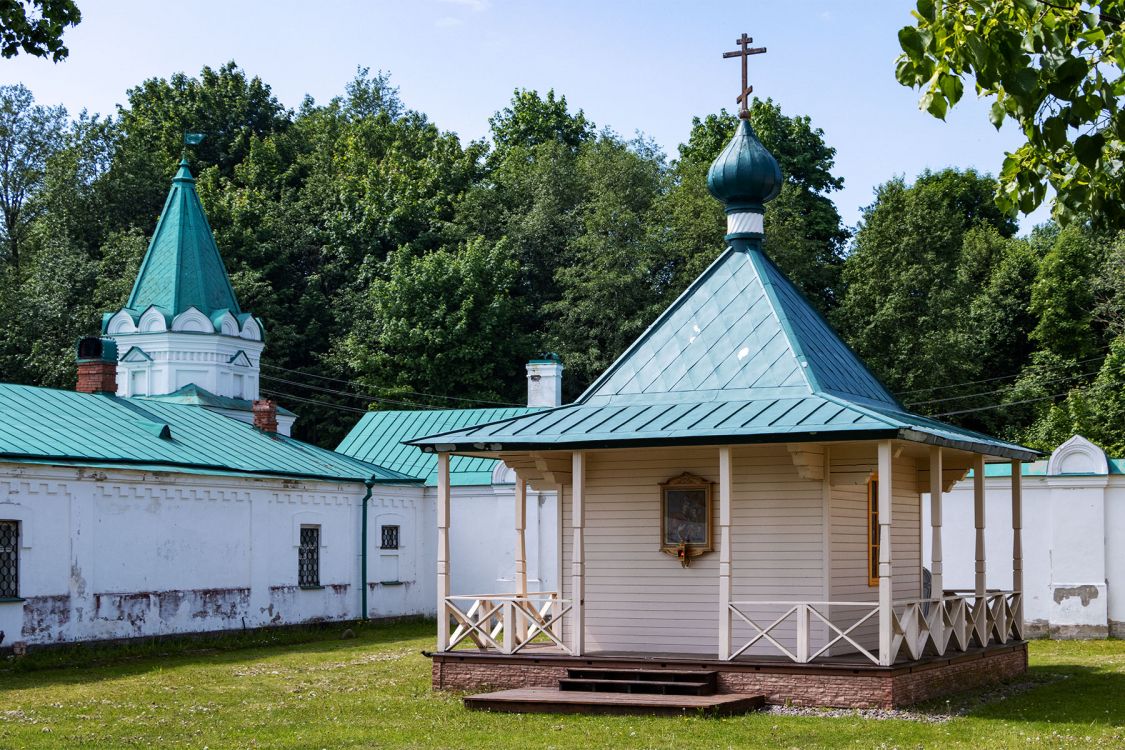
312,689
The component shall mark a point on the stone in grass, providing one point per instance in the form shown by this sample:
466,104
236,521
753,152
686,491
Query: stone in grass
348,633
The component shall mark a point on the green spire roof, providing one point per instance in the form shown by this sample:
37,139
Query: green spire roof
745,175
182,267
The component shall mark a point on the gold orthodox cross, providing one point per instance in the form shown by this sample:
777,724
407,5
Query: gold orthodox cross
744,51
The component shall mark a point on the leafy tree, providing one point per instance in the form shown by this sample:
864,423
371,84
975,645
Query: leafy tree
29,135
607,290
35,27
531,120
912,275
1056,69
1062,298
444,323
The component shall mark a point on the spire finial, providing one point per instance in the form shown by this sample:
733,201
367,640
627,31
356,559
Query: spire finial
744,51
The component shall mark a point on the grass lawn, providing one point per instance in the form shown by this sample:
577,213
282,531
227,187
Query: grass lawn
311,689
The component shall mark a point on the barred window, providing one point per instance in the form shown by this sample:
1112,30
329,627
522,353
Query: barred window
308,557
9,559
873,531
390,537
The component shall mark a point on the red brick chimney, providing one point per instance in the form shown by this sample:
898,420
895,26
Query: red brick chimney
265,415
97,365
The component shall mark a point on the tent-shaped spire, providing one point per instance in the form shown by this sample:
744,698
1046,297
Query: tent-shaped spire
182,267
740,357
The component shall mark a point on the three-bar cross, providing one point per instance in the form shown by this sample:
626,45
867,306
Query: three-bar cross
744,51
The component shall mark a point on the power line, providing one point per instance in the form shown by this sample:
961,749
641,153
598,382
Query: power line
291,397
1024,401
336,392
355,384
990,380
1005,389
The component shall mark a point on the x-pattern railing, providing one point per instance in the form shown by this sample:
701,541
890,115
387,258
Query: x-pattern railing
506,622
955,621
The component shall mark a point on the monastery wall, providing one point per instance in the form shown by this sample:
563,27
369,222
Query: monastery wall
108,553
1073,545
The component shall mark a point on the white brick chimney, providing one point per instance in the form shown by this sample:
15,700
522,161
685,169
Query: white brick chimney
544,381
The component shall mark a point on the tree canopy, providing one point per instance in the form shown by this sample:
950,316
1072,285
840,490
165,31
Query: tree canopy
1057,69
35,27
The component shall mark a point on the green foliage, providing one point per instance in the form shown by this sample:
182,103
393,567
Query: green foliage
1062,298
35,27
1055,68
925,254
29,135
444,323
531,120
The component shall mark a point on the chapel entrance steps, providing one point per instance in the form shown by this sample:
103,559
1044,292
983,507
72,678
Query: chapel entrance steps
623,691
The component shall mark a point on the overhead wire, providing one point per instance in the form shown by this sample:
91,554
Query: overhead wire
992,379
1022,401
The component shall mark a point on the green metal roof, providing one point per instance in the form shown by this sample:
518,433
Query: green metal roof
194,395
44,425
182,267
741,356
379,435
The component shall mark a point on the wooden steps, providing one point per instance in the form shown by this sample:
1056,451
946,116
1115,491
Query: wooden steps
554,701
622,691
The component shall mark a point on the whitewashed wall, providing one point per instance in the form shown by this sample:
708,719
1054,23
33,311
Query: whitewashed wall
1073,546
118,554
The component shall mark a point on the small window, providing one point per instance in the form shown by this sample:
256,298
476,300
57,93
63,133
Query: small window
9,559
390,538
873,531
308,557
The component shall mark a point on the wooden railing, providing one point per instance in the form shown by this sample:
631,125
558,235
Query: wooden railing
957,620
506,622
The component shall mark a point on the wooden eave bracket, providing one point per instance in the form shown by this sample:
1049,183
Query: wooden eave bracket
808,458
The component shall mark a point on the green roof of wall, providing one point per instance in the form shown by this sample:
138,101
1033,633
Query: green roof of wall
44,425
378,438
182,267
196,396
741,356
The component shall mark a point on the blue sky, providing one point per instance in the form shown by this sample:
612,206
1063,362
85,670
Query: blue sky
632,66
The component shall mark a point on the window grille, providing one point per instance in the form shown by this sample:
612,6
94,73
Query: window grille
9,559
308,557
390,537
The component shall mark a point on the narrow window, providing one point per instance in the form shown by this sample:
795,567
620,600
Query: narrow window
308,557
390,538
873,531
9,559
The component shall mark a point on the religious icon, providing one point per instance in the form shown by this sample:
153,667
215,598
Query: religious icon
685,517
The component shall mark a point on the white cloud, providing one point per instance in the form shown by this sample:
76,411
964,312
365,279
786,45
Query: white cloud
474,5
448,22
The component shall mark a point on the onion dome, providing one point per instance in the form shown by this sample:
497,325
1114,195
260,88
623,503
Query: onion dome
745,175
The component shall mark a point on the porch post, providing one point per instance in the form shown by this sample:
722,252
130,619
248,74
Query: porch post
937,583
442,550
978,516
1017,542
521,537
886,593
726,480
578,551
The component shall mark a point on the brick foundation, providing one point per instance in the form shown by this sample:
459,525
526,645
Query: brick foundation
800,685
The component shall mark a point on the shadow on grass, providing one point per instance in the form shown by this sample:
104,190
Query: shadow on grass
90,663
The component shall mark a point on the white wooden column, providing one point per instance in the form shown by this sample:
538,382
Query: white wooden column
937,480
578,551
886,592
442,549
978,518
726,480
1017,542
521,536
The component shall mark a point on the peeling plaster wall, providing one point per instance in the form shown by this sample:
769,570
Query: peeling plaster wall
1073,549
119,554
